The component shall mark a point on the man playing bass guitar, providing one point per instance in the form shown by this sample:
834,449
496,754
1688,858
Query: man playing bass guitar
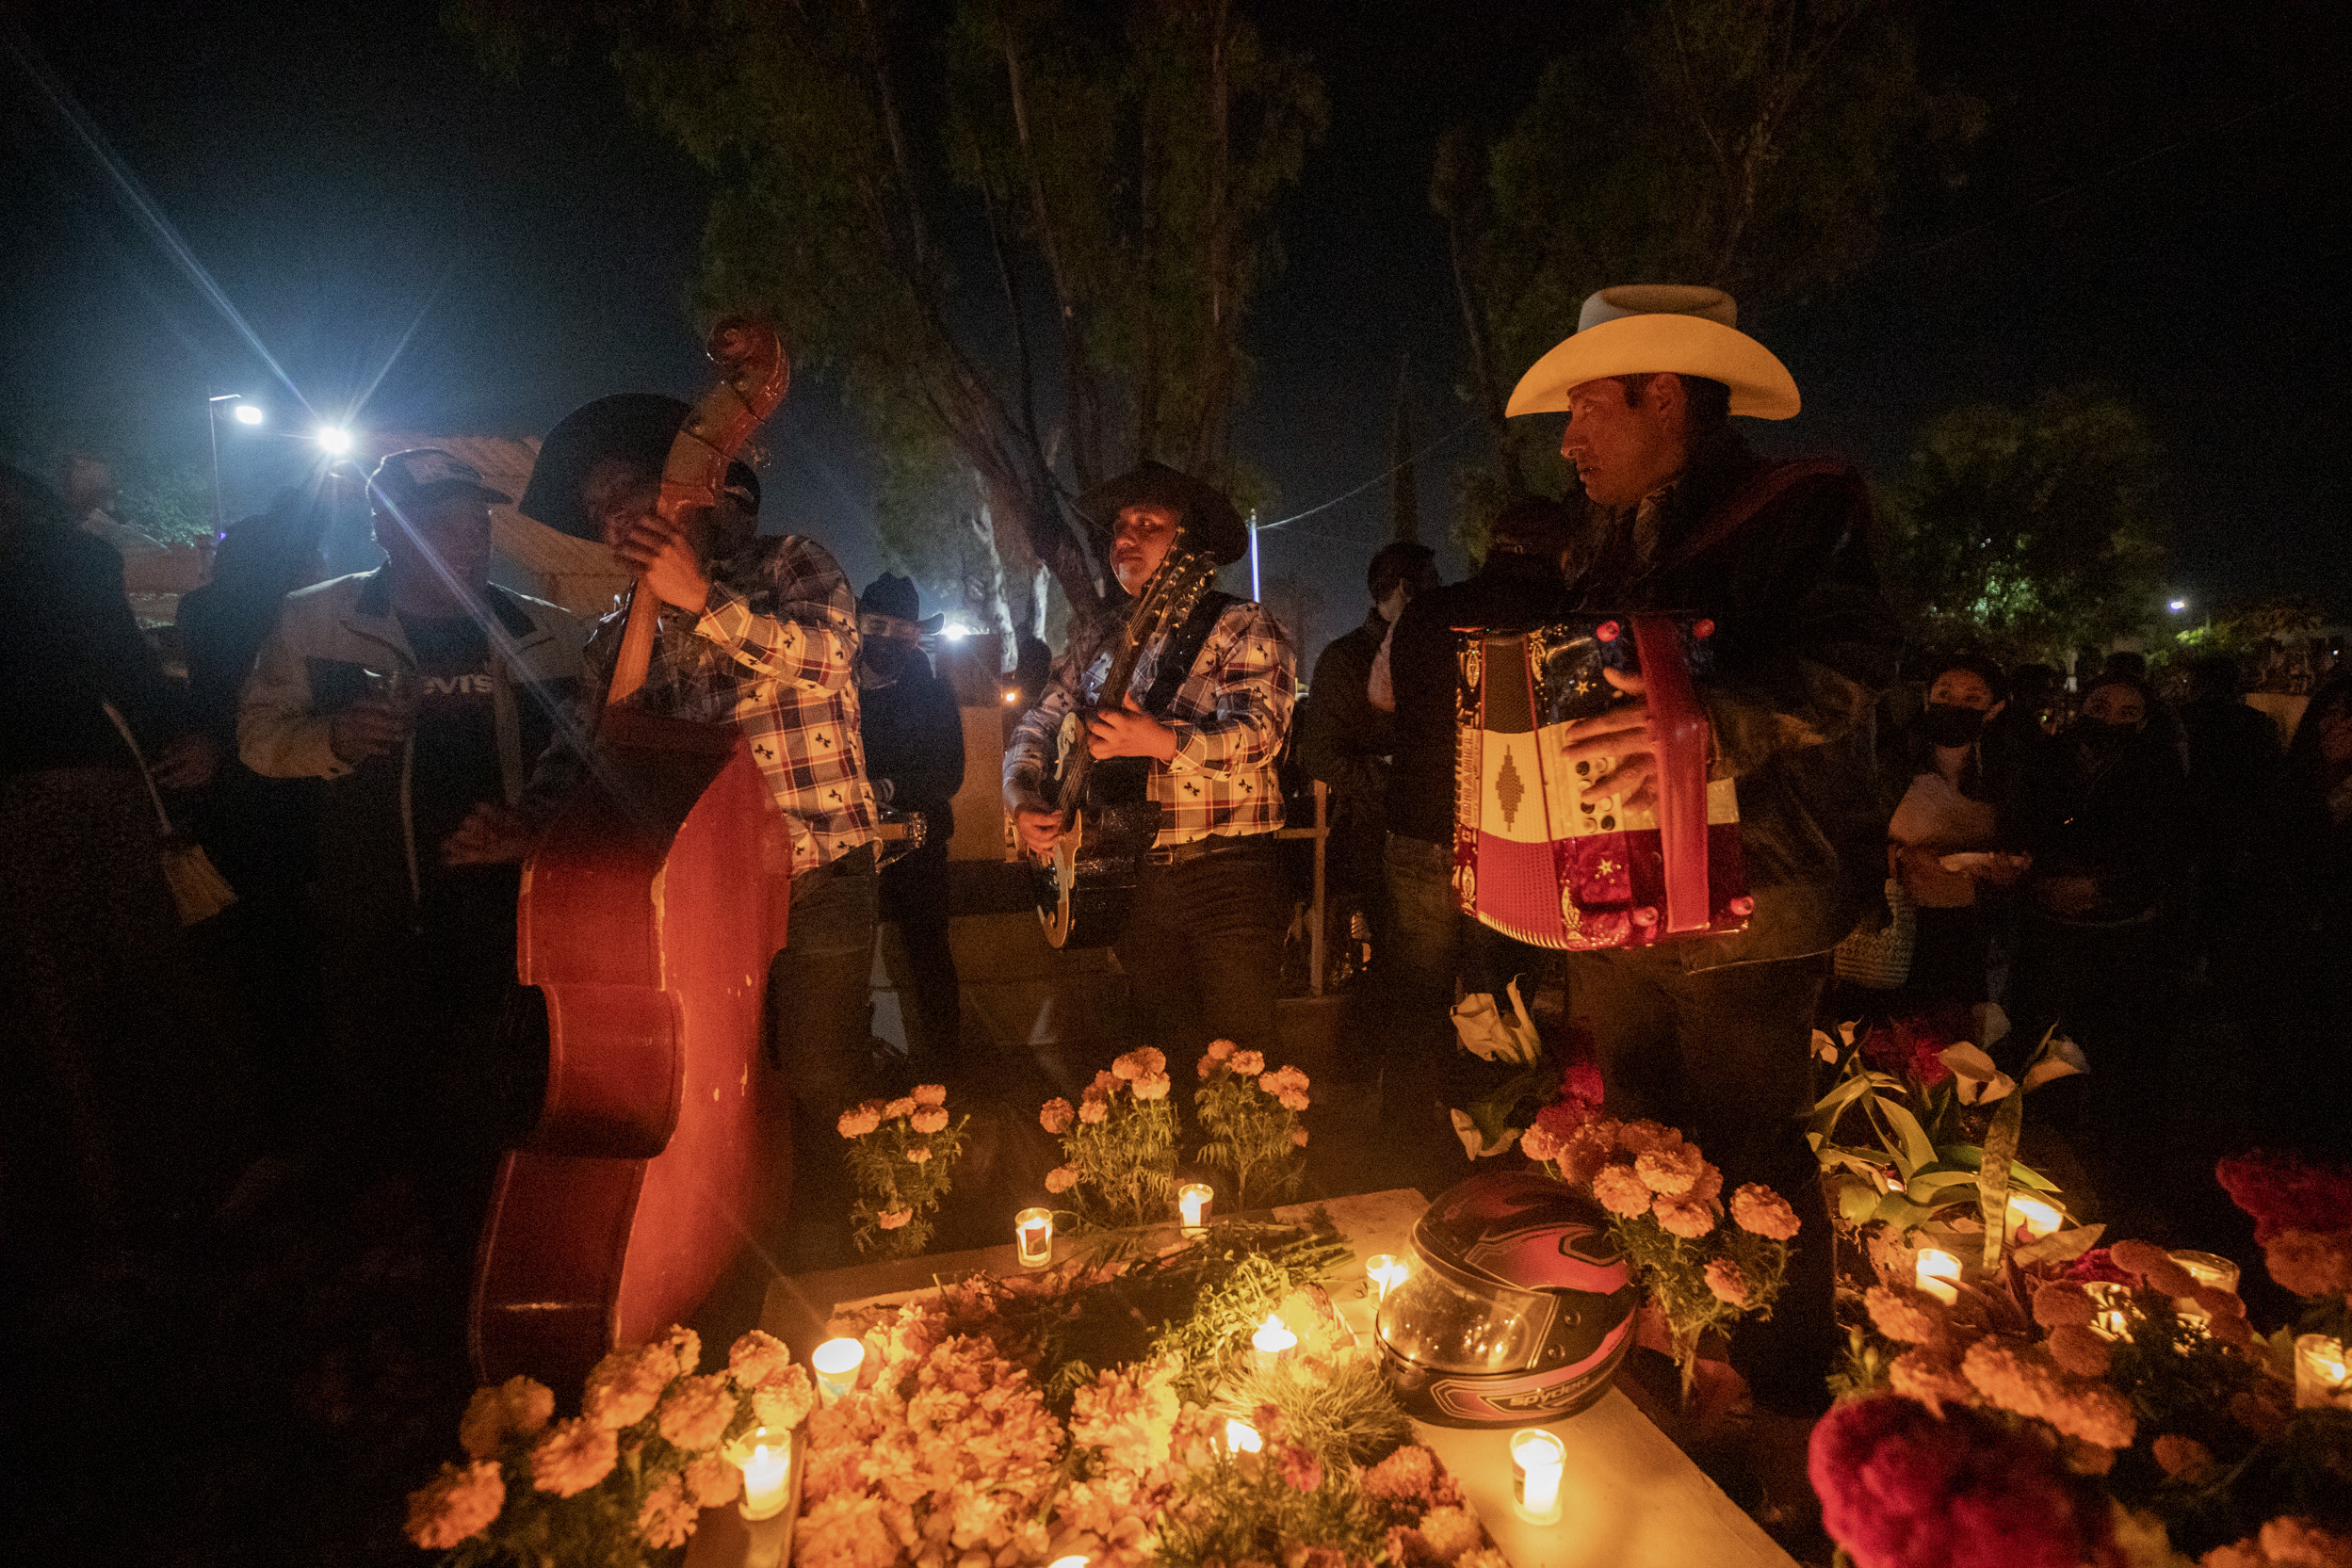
1202,939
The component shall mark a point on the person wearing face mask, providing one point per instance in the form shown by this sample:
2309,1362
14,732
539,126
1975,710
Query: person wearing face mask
1943,838
914,736
2106,821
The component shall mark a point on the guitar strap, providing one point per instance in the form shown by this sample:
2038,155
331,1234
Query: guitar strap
1127,779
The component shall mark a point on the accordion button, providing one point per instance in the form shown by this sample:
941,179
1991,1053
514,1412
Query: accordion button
1645,916
1606,631
1741,907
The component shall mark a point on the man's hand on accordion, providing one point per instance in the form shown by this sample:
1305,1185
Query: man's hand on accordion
1620,735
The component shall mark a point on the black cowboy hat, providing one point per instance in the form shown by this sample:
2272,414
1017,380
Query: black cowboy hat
895,597
637,426
1210,520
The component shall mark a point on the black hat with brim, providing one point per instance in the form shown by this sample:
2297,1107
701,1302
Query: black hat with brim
1210,520
635,425
897,598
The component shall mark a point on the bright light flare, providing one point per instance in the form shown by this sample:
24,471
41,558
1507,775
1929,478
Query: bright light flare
334,440
955,631
2178,605
246,413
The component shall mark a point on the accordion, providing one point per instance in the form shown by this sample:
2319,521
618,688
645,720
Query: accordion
1540,857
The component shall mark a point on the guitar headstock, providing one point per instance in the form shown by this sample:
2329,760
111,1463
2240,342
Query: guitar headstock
1171,592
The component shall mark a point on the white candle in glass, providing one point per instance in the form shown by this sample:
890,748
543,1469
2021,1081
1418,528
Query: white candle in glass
1385,1272
1193,1201
1938,1273
2322,1376
1075,1560
1241,1438
1274,1340
767,1464
1537,1460
2032,1218
2113,1320
1033,1237
835,1363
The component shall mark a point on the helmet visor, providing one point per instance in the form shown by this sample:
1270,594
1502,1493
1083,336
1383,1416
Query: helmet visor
1464,1326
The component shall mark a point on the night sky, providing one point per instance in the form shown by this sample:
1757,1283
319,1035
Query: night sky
2159,207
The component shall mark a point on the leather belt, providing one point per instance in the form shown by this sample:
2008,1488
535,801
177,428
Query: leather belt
1198,849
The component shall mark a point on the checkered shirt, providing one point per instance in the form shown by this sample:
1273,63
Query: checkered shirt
1231,716
775,651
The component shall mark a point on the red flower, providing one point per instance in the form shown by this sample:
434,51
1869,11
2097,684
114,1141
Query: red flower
2096,1268
1913,1045
2284,1193
1902,1488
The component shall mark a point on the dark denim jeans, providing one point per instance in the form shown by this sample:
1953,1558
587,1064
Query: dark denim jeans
1726,1055
820,1034
1203,952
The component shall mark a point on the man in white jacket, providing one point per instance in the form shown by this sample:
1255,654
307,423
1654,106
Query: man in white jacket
416,691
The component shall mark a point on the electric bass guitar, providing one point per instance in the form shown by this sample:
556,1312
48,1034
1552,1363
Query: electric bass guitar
1086,882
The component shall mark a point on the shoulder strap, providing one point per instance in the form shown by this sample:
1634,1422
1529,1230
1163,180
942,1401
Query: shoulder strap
162,818
1184,646
1728,516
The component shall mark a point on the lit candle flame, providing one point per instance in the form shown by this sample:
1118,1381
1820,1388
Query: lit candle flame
1938,1274
1241,1438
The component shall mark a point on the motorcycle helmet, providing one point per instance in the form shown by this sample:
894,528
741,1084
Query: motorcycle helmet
1518,1310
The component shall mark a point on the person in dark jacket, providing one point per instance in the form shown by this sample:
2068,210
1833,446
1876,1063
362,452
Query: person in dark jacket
1345,741
1517,585
1712,1034
914,735
94,1026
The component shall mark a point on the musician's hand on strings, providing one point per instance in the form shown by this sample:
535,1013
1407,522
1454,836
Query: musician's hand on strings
660,553
1621,734
493,834
1039,829
1127,731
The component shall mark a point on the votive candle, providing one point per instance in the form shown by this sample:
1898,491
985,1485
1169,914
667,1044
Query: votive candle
1033,1237
835,1363
1241,1438
767,1464
2323,1378
1077,1560
1939,1274
2209,1269
1385,1272
1537,1460
1193,1200
2113,1320
2032,1217
1274,1340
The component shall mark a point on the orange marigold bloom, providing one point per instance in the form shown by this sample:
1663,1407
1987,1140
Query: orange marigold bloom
2082,1352
1060,1179
859,1121
929,1094
667,1518
626,1384
2058,1304
696,1413
1641,1137
1725,1282
2089,1410
758,1357
928,1120
1093,1109
2171,1278
2219,1302
712,1482
2138,1257
1298,1136
784,1401
899,1108
516,1408
1930,1378
1537,1144
1152,1086
1681,1216
2311,1264
455,1505
1620,1191
2179,1456
1759,1209
1910,1316
891,1219
572,1456
1248,1063
1057,1115
1669,1172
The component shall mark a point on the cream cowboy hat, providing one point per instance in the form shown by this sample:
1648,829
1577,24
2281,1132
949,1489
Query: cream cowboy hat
1642,328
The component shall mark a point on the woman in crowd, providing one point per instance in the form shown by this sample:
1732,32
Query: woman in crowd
1945,836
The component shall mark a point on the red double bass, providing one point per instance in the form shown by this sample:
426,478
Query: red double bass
649,913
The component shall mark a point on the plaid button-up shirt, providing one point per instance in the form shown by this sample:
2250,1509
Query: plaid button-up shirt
1231,717
775,651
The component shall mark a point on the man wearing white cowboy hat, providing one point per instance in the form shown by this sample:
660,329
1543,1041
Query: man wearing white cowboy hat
1712,1034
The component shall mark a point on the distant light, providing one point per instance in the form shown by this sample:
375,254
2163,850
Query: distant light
1012,695
334,440
2178,605
246,413
955,631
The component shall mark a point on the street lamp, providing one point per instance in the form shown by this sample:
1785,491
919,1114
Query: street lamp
248,413
334,440
2178,605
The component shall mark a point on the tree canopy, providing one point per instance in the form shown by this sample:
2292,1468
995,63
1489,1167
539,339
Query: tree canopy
2031,531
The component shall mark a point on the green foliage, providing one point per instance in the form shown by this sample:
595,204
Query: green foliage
1343,1416
1242,1508
2030,532
1250,1135
1126,1164
901,1171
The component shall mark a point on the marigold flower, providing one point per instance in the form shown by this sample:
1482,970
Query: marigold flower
1298,1137
455,1505
784,1401
2179,1456
685,1347
625,1385
572,1456
1669,1172
928,1120
667,1517
2171,1278
712,1482
1645,1136
1295,1102
919,1154
929,1094
1725,1282
696,1411
2229,1330
1218,1050
1930,1377
1057,1115
515,1408
1585,1151
2075,1348
1403,1477
1249,1063
1707,1187
1141,1062
1620,1191
1902,1314
2089,1410
1154,1086
2219,1302
2310,1262
1450,1532
2302,1542
891,1219
1301,1468
1681,1216
2283,1192
759,1357
1537,1144
1759,1210
2138,1257
2060,1303
1060,1179
859,1120
899,1108
1093,1109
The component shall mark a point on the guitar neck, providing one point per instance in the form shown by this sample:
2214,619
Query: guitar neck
1161,607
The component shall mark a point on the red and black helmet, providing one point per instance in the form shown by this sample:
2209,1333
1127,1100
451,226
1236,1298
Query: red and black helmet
1518,1310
